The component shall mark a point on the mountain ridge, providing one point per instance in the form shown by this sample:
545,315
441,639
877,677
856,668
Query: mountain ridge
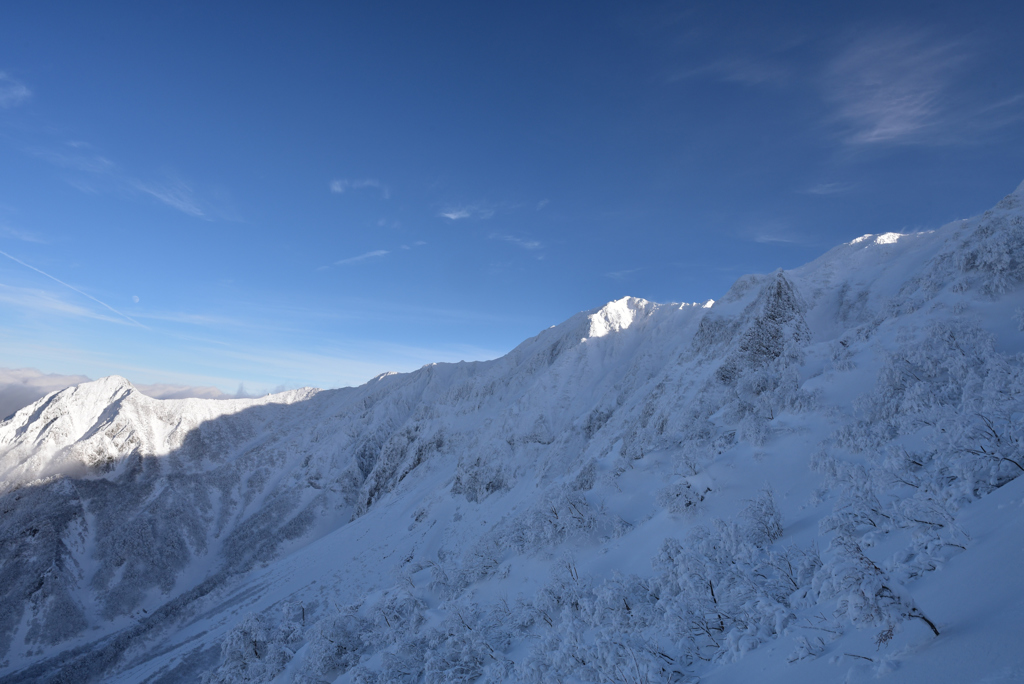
621,424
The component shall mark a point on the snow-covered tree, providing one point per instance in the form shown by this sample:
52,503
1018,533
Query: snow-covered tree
334,644
254,650
763,520
865,593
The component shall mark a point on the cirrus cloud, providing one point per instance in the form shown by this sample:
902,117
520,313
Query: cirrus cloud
362,257
340,186
468,211
893,86
12,92
517,241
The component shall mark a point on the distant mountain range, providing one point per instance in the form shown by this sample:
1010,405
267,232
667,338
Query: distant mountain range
20,387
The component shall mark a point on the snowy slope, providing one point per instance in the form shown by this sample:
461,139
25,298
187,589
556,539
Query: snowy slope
743,490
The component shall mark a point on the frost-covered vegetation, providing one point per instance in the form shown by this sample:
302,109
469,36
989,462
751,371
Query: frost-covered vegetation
752,490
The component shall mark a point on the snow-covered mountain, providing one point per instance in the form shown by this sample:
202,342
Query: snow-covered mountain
811,478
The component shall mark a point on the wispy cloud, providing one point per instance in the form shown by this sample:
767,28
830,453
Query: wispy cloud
351,364
23,235
176,194
893,87
519,242
74,289
78,160
828,189
362,257
203,320
261,362
12,92
767,238
467,211
1009,104
102,173
42,301
622,275
340,186
769,232
741,70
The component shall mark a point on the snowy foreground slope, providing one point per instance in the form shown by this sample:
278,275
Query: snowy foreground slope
812,479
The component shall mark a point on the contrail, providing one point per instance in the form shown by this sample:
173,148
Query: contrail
71,287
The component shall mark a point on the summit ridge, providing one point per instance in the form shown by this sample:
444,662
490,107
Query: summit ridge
750,489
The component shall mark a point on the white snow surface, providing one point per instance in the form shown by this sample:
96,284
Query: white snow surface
792,483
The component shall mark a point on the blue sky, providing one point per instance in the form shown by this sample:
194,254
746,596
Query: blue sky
310,194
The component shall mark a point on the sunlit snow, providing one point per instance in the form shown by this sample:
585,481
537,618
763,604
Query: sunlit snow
813,478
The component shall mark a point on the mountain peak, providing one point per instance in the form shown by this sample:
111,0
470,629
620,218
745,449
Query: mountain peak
112,382
593,472
879,239
1014,200
616,315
